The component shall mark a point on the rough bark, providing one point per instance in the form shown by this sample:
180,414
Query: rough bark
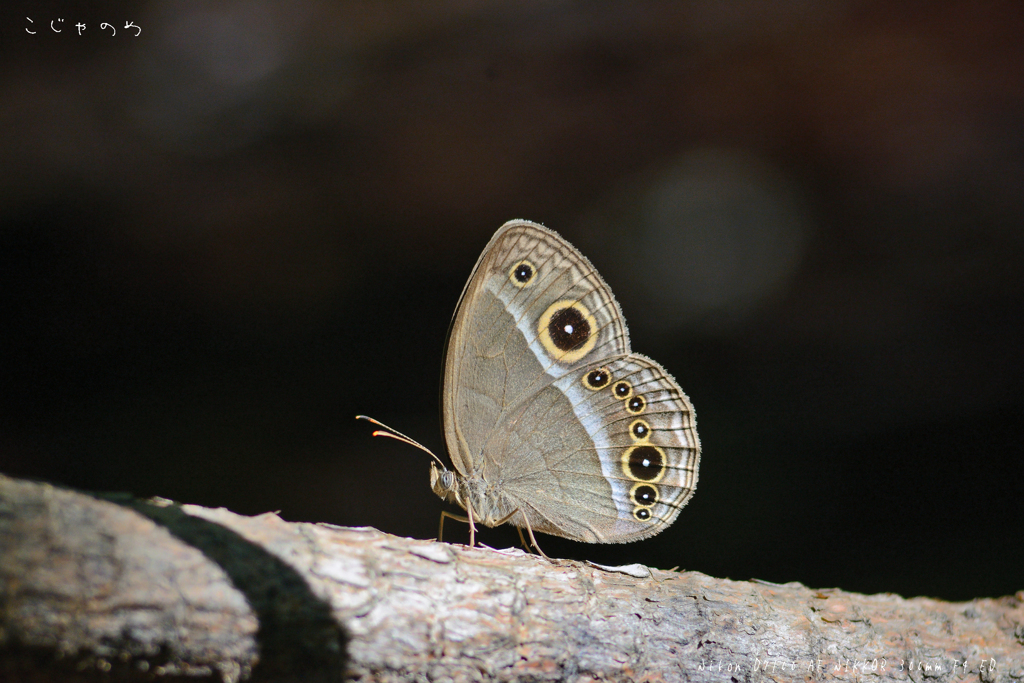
111,588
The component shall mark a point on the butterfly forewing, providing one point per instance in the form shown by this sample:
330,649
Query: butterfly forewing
496,355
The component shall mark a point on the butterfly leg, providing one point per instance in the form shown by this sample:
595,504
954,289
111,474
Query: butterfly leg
526,546
519,530
440,528
472,527
529,530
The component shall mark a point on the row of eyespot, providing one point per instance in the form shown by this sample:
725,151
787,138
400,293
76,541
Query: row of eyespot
643,462
622,390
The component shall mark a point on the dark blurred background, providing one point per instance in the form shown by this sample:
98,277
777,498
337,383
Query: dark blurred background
223,238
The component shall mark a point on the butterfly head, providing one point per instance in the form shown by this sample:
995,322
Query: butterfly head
444,483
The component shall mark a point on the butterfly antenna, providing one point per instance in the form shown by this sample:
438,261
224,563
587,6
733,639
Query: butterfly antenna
399,436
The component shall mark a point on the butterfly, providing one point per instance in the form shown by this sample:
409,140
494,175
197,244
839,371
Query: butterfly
552,423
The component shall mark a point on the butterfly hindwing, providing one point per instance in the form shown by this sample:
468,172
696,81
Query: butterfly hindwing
636,470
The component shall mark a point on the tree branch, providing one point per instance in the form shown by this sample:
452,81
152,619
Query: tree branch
108,587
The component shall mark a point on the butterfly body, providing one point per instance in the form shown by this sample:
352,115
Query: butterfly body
551,421
490,506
